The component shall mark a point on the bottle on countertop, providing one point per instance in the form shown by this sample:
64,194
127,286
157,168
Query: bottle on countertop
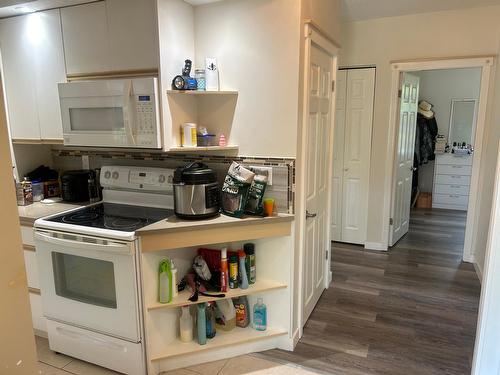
233,271
186,325
260,315
249,249
242,270
201,323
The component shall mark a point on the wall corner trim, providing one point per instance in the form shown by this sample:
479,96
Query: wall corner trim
376,246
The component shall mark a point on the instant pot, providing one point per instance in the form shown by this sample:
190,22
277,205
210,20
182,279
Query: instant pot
196,192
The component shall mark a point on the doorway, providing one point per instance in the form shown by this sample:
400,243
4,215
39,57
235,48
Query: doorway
391,206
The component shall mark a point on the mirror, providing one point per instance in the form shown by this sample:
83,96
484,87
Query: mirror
462,121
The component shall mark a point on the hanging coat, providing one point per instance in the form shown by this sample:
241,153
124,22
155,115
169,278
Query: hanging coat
425,139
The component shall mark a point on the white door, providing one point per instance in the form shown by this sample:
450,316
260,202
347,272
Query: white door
404,158
318,137
352,151
338,155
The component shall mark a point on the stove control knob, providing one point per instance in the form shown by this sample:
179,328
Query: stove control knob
161,179
115,175
107,174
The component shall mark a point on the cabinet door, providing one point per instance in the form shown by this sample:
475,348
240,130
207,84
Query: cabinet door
18,37
85,37
49,71
133,34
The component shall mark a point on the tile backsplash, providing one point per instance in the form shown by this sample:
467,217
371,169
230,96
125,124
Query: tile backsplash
283,169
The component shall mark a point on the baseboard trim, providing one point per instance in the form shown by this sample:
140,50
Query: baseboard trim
479,272
376,246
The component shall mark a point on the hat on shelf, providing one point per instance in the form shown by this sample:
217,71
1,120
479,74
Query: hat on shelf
424,108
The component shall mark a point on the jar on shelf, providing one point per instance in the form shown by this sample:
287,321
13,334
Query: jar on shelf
199,74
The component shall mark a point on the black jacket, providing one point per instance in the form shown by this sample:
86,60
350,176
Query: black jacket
425,139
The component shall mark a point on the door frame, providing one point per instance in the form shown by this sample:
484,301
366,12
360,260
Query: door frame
312,36
397,68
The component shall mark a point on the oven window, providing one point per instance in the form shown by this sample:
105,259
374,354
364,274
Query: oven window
83,279
96,119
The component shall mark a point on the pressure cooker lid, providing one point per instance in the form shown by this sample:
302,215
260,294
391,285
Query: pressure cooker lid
194,174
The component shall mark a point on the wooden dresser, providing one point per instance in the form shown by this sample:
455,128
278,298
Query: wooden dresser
452,175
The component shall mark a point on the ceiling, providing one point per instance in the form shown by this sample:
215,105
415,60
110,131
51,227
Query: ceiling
358,10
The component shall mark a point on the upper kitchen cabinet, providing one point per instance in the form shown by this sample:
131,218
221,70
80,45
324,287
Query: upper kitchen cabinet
110,36
33,65
85,37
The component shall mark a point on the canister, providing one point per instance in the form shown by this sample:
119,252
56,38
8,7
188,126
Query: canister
188,135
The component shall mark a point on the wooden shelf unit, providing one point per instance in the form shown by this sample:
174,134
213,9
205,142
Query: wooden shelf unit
182,299
222,339
203,149
196,92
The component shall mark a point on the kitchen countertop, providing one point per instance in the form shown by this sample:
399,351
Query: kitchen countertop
174,233
174,224
28,214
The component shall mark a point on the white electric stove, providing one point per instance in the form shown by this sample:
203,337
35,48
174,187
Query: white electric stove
89,274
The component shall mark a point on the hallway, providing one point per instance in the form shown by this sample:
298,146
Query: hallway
412,310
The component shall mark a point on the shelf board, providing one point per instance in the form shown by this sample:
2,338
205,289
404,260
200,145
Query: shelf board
203,149
222,339
182,299
196,92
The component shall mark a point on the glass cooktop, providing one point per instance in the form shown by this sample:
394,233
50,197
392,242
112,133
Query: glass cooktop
113,216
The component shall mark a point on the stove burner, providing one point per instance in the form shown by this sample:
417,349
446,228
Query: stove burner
80,217
121,223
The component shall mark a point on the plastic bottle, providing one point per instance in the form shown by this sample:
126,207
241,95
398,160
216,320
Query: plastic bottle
260,315
224,275
233,271
225,315
165,281
201,324
250,262
186,325
242,270
242,311
210,320
175,280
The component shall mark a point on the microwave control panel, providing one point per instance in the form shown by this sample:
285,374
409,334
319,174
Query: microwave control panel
146,120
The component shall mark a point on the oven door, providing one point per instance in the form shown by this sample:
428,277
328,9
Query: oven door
89,282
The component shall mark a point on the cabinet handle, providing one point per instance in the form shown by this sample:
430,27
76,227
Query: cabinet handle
310,216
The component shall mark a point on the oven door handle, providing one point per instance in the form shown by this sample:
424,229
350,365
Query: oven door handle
94,340
113,247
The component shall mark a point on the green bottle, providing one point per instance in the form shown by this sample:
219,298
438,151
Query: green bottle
165,290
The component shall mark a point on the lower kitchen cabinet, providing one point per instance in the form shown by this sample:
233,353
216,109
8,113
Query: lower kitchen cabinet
39,322
273,255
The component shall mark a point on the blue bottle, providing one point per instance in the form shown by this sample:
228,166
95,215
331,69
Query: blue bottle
201,324
260,315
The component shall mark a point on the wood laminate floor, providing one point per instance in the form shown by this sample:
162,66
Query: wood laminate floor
409,311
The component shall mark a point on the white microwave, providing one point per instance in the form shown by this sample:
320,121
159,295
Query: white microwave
111,113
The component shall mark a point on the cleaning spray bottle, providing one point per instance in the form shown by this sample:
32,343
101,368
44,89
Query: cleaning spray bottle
165,281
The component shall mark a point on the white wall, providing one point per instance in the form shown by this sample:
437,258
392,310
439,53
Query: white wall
432,35
256,43
439,87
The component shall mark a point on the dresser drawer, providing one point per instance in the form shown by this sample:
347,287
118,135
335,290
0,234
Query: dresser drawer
451,199
453,160
463,170
451,189
452,179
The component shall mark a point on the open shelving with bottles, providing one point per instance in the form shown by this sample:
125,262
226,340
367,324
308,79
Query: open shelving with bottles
213,110
166,351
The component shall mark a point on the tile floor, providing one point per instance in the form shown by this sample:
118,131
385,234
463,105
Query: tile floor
51,363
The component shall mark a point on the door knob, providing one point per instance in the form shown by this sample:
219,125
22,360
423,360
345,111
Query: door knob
413,169
310,216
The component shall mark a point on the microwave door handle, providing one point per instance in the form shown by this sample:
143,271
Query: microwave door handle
128,113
